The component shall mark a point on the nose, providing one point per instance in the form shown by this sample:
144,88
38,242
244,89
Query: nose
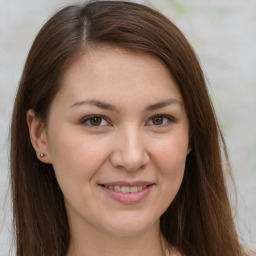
129,150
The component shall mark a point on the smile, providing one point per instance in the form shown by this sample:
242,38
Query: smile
126,189
127,193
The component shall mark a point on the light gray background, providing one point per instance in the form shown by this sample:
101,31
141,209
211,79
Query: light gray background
223,33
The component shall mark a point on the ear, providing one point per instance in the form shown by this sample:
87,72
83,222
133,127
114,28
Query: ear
38,137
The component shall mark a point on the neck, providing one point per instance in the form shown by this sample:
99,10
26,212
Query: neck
94,242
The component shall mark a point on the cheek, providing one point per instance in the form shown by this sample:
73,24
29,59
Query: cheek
77,158
172,153
76,162
171,159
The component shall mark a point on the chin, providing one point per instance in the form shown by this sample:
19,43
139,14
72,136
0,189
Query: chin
131,227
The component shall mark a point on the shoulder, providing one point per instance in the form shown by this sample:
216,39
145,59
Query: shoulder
250,249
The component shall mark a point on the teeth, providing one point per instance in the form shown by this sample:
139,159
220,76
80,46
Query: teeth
126,189
133,189
116,188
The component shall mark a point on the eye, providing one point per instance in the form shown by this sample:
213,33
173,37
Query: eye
160,120
94,121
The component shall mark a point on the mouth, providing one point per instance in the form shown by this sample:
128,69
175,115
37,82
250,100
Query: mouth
127,193
126,189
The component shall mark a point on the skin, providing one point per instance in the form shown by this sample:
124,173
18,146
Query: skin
126,142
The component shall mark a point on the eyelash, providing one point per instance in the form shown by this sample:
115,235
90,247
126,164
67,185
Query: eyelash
88,119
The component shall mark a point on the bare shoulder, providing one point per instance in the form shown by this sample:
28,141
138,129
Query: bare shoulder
250,249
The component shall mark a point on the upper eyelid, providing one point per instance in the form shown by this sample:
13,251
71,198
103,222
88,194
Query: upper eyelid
93,115
163,115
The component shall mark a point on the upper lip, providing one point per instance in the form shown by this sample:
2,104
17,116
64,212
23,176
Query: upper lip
127,183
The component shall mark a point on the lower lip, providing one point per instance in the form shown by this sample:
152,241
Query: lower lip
127,198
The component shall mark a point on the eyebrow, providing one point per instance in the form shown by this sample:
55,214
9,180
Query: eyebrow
96,103
107,106
163,103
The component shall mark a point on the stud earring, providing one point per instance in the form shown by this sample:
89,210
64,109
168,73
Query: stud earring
42,155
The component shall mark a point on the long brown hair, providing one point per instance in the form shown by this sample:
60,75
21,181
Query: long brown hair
199,221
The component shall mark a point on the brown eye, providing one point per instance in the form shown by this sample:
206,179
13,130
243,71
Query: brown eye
158,120
161,120
96,121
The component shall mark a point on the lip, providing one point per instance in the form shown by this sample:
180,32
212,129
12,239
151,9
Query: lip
127,198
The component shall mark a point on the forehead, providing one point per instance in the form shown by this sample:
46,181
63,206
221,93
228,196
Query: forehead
122,62
106,72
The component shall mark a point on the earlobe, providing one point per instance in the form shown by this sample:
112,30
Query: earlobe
38,137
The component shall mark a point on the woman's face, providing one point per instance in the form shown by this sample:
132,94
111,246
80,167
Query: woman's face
117,137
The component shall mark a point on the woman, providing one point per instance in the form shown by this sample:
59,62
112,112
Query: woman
120,152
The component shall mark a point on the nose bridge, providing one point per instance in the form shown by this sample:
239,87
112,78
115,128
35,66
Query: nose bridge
130,152
133,141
